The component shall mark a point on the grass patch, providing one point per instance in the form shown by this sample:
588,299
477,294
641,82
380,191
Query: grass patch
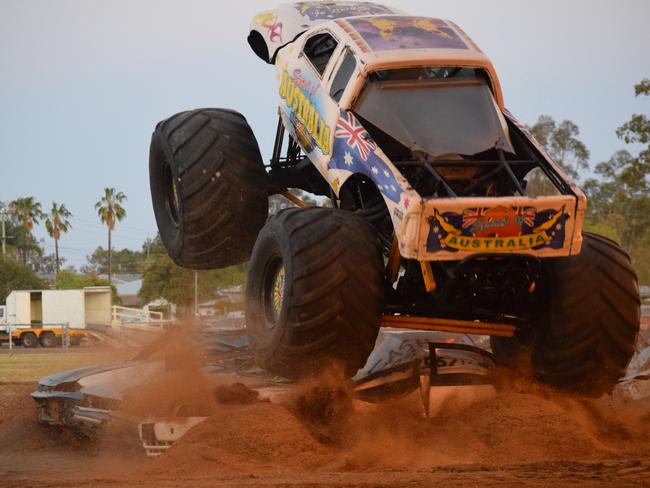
21,368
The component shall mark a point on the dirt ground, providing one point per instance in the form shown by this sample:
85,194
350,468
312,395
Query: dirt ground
522,435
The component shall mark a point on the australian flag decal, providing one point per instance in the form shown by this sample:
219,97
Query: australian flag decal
354,150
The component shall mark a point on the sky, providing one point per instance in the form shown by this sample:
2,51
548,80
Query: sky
83,83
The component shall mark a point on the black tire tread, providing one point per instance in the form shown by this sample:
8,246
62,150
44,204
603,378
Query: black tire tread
222,185
593,319
336,295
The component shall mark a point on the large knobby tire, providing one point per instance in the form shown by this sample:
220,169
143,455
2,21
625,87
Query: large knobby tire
208,186
592,315
315,291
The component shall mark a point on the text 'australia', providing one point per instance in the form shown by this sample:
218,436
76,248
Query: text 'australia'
306,112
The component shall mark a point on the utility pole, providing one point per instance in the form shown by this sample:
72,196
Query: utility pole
3,236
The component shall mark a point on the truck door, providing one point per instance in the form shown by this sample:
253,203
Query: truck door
307,109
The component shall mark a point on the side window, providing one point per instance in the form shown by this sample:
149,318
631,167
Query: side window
343,76
319,50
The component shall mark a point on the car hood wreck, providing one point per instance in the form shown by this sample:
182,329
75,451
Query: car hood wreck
88,399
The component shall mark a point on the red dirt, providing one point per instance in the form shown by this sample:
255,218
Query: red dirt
523,436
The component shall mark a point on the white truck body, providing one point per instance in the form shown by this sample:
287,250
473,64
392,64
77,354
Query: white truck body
378,38
77,308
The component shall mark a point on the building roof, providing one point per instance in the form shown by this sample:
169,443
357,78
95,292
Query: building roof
129,288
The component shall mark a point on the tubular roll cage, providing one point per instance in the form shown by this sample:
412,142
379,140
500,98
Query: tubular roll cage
295,159
501,166
294,152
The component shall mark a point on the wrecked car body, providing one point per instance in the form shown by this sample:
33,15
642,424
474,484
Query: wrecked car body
85,399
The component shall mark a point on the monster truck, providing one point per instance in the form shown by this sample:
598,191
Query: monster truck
440,211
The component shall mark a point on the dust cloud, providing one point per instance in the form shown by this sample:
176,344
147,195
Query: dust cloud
319,427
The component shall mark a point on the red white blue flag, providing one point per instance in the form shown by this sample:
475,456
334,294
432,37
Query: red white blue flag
355,151
356,136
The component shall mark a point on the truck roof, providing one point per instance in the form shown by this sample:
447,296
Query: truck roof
383,37
394,41
280,26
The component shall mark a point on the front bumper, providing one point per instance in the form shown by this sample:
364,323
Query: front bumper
65,408
446,229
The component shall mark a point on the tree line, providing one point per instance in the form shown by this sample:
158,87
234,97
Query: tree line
618,190
20,216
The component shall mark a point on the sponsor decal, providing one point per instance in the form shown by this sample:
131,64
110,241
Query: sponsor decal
269,20
396,32
399,215
498,229
336,10
307,121
354,150
303,83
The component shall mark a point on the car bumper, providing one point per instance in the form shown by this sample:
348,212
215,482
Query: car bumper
454,228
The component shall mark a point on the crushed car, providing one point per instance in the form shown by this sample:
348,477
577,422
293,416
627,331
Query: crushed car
87,400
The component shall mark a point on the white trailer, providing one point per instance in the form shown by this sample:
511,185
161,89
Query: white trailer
90,306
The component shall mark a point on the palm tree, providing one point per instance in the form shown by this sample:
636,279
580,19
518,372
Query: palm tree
56,222
110,212
28,211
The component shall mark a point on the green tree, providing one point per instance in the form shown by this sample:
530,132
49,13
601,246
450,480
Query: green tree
110,211
57,223
22,245
69,279
15,276
47,264
123,261
620,197
637,129
562,144
162,278
26,213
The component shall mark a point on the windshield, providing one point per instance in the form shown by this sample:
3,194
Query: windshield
436,111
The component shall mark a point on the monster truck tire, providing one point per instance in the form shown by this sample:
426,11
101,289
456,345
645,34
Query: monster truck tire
208,186
315,291
29,339
589,320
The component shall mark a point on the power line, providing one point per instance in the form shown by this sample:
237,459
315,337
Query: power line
118,225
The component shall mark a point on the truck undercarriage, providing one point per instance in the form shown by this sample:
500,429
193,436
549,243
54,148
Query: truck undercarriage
497,290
